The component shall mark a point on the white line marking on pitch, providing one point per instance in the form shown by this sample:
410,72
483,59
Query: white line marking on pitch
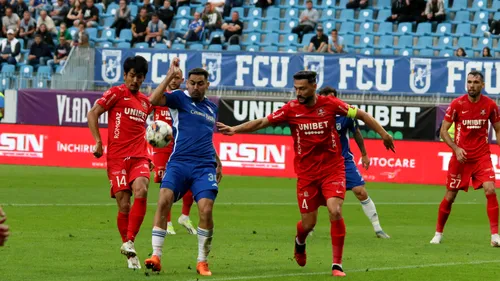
355,270
221,203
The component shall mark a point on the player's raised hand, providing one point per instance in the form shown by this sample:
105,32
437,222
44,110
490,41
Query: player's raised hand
365,161
225,129
174,68
388,142
98,150
461,155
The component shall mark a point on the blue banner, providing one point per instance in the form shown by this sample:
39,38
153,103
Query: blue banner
274,71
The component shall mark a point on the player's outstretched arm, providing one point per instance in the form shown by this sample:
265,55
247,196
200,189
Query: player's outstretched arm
248,127
158,96
93,117
358,137
374,125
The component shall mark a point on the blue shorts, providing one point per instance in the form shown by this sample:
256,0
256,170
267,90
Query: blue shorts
183,176
353,177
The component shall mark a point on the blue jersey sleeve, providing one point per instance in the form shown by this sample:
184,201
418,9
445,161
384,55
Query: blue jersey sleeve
2,102
353,125
174,99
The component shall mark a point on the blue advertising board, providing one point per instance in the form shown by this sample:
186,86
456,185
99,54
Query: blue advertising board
274,71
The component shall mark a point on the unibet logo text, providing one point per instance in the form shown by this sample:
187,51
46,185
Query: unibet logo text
251,155
474,124
21,145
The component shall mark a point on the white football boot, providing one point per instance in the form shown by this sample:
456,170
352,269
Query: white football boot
128,249
437,238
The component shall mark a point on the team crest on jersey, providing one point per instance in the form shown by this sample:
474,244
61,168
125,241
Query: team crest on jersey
145,105
316,64
124,172
339,126
212,63
483,112
420,75
321,111
306,194
110,69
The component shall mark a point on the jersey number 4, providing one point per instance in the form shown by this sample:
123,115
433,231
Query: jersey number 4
304,204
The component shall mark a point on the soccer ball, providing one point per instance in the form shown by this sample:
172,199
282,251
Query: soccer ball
159,134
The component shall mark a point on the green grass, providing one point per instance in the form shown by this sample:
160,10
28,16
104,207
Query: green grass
82,243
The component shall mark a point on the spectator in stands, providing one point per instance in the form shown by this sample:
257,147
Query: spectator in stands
308,19
27,28
39,5
90,14
59,12
486,52
10,48
20,7
63,31
318,43
39,52
139,26
231,4
494,27
46,36
434,11
74,14
263,4
122,18
212,18
3,5
335,43
166,13
61,54
85,41
77,38
149,8
154,31
355,4
44,19
233,29
194,33
460,52
218,4
10,21
401,11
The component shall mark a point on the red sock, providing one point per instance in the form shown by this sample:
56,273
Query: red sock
169,217
492,208
337,232
122,223
301,233
137,214
187,202
443,213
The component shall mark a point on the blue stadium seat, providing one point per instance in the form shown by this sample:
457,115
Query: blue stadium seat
326,4
346,28
196,47
483,42
387,51
273,13
446,53
104,44
215,47
178,46
252,39
496,16
270,49
107,22
200,10
106,35
404,28
271,39
365,28
306,39
111,11
345,15
72,30
443,29
291,49
253,13
495,7
383,15
479,5
270,26
7,74
459,5
180,25
133,10
461,17
234,48
423,29
462,29
364,42
25,76
289,40
291,13
253,26
481,16
406,52
160,46
125,36
367,51
100,8
424,42
183,12
445,42
480,30
426,53
348,42
92,32
123,45
142,45
465,42
291,23
213,35
252,48
43,75
383,29
365,15
385,41
327,14
404,41
328,26
342,4
382,4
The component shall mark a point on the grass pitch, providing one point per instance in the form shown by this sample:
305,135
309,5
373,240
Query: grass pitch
63,226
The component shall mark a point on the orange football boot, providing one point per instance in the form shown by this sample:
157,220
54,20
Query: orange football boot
202,268
153,263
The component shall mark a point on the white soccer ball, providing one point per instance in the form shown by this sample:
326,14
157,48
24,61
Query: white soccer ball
159,134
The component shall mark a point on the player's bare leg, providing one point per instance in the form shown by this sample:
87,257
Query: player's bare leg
184,220
205,233
304,227
443,213
337,232
165,201
492,209
370,210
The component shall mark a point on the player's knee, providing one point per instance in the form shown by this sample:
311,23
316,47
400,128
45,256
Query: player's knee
450,196
360,193
140,187
489,188
335,213
166,198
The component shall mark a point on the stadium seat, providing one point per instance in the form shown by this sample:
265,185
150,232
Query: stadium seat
446,53
423,43
183,12
251,39
426,53
278,130
253,13
406,52
72,30
459,5
196,47
180,25
328,26
234,48
287,131
107,22
365,15
364,42
290,13
346,28
306,39
405,41
141,45
383,29
404,28
483,42
106,35
496,16
465,42
25,76
345,15
495,7
178,46
398,135
270,26
92,32
252,48
383,15
213,35
290,49
291,23
161,47
43,75
123,45
289,40
273,13
364,28
327,14
385,41
215,47
270,49
382,4
200,9
443,29
326,4
342,4
423,29
480,30
59,69
444,43
133,10
270,39
480,17
371,134
111,10
125,36
367,52
461,17
462,29
253,26
479,5
7,74
104,45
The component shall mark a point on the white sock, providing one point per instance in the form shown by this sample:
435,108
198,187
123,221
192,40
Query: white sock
494,236
158,237
371,213
183,217
438,234
204,243
169,223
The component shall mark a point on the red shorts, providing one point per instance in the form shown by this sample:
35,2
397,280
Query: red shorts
460,175
122,172
160,160
313,193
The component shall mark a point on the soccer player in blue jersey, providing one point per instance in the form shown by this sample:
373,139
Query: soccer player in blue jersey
193,165
354,180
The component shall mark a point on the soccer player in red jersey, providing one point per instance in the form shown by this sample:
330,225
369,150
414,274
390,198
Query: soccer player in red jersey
128,163
471,158
160,159
4,229
319,164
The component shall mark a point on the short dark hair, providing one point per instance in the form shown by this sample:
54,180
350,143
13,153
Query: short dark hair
325,91
137,63
143,8
334,30
309,1
198,71
155,15
476,73
310,76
